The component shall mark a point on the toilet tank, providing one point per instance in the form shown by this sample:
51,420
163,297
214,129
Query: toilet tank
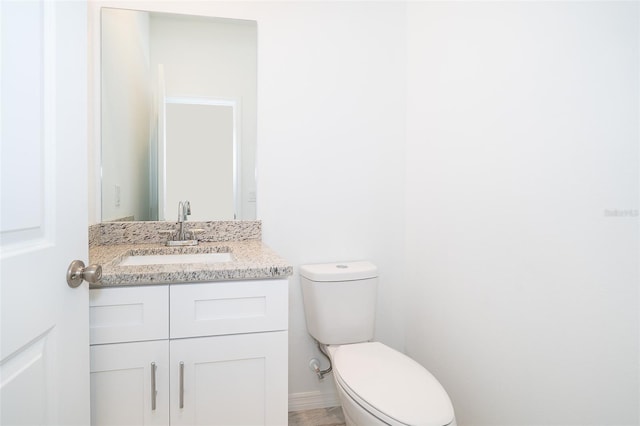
340,301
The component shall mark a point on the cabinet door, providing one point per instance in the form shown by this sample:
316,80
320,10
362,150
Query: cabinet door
122,384
230,380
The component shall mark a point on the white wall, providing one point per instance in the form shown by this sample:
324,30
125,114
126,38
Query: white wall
331,150
126,109
522,134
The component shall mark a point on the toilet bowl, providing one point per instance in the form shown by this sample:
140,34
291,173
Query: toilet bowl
376,384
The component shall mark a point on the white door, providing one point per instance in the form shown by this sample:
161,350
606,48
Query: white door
44,327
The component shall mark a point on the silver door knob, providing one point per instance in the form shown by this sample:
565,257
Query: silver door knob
78,272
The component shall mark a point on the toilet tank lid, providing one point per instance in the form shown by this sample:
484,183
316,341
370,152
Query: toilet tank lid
339,271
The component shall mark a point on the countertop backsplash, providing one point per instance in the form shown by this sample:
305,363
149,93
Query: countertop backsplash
108,233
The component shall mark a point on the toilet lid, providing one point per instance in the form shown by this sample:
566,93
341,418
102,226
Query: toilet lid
391,383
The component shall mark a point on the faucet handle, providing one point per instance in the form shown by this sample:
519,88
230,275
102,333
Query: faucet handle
170,233
195,231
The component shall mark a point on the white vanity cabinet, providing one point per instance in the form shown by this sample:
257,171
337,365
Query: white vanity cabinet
218,358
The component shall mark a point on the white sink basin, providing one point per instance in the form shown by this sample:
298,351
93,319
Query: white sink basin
171,259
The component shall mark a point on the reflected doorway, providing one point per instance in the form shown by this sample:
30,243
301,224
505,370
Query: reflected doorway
199,135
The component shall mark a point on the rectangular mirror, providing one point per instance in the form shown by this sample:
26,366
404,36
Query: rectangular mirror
178,116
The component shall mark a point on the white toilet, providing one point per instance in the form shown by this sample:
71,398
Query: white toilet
377,385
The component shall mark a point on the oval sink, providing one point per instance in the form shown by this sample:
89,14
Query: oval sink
170,259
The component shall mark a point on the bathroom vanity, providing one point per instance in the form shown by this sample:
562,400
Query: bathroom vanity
189,343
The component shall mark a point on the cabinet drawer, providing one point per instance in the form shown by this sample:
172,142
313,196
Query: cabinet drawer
128,314
228,307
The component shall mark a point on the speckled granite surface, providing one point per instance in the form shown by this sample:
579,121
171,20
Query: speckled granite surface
148,232
110,243
251,260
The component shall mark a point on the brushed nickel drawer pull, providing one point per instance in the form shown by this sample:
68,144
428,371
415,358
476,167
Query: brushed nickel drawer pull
181,384
154,391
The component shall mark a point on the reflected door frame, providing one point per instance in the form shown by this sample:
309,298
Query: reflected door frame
168,212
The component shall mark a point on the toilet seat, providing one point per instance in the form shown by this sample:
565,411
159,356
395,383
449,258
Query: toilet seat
391,386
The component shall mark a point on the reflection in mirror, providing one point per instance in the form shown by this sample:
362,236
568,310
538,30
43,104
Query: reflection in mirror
178,113
205,127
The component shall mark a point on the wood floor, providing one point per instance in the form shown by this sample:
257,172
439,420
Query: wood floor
331,416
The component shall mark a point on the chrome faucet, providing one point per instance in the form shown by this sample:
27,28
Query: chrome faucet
179,237
184,210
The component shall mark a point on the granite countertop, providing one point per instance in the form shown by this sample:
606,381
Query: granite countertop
251,260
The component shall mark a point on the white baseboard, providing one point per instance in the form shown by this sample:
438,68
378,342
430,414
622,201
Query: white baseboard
311,400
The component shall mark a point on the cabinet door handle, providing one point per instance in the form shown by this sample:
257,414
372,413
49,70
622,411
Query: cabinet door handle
181,384
154,391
